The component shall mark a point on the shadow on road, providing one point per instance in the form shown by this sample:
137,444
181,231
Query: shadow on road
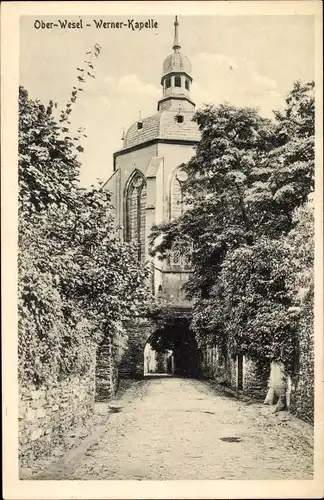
157,375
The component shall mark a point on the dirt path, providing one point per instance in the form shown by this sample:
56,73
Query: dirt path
173,428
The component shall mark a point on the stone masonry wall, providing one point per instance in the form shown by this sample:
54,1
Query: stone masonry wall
224,370
216,366
48,413
132,362
106,372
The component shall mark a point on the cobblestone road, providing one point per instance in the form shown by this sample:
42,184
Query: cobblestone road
171,428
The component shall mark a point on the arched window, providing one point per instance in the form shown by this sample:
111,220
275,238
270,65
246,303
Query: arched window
176,199
135,213
168,83
187,84
179,257
177,81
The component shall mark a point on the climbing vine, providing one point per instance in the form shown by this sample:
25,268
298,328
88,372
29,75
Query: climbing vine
77,282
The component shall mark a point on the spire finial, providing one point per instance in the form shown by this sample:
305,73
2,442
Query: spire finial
176,44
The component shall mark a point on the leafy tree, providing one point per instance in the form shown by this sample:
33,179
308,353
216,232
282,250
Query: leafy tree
78,283
218,219
284,180
244,184
298,263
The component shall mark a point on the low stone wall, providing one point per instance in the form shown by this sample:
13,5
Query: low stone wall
47,413
224,370
256,380
217,367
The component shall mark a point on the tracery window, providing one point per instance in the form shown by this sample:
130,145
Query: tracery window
176,198
179,256
135,213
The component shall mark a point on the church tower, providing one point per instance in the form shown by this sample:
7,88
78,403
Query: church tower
176,79
149,170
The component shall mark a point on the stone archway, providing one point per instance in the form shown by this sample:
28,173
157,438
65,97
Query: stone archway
166,332
172,333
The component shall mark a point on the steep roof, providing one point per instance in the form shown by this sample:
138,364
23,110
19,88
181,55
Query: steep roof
163,125
176,62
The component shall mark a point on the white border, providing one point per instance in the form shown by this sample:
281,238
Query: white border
15,489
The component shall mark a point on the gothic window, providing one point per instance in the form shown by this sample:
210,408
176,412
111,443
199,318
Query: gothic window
177,81
135,213
186,257
175,257
178,257
176,198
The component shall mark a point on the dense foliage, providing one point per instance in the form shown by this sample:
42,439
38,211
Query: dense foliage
247,179
78,283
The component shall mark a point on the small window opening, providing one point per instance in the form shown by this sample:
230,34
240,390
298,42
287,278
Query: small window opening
187,85
180,118
139,125
177,81
168,83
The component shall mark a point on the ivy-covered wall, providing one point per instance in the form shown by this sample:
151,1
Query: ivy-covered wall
216,366
302,391
106,372
255,379
225,370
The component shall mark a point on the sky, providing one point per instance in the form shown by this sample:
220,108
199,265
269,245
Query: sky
245,60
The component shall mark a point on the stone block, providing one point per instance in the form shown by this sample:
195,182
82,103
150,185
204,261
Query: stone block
36,434
30,415
37,394
50,413
35,404
41,412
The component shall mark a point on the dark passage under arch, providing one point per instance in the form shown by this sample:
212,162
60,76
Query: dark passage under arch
173,335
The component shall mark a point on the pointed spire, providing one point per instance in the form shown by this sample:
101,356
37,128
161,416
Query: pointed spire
176,44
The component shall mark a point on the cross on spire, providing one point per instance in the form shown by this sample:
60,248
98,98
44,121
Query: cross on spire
176,44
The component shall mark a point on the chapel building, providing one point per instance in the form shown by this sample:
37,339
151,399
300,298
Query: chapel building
150,169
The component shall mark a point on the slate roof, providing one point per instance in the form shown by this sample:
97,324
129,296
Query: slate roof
176,62
162,125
